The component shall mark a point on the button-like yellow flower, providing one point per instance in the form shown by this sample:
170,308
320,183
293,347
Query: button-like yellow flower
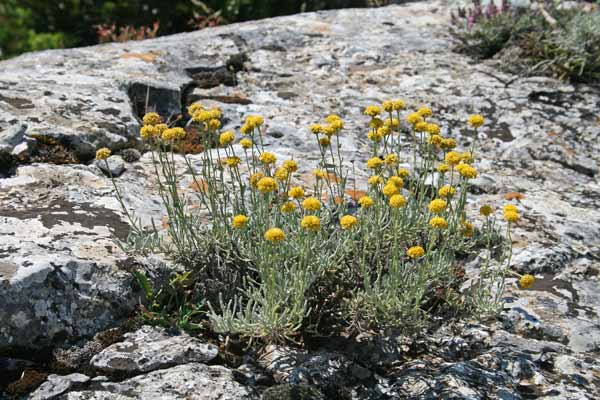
254,121
467,171
232,162
438,223
446,191
324,141
511,216
390,189
476,121
448,144
433,129
436,140
376,123
425,112
397,201
214,124
388,106
320,174
316,128
311,223
226,138
391,159
194,108
366,202
282,174
392,123
442,168
239,221
102,154
467,229
375,180
267,158
348,222
255,178
246,129
414,118
290,165
486,210
372,111
148,131
415,252
384,130
399,105
267,185
374,163
436,206
510,207
526,281
275,235
396,180
296,192
375,136
152,118
171,134
452,158
246,143
467,157
311,204
403,172
288,207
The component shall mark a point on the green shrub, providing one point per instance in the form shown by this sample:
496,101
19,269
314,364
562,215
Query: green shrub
279,257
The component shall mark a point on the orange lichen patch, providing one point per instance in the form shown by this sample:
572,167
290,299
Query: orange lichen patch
355,194
146,57
331,177
165,222
514,196
198,185
337,200
192,143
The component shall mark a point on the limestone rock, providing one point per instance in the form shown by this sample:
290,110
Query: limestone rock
57,385
112,166
152,348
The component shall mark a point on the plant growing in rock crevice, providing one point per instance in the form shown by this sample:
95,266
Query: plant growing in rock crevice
280,258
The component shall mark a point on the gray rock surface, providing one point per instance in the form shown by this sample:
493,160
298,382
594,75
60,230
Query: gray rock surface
190,381
152,348
63,277
112,166
57,385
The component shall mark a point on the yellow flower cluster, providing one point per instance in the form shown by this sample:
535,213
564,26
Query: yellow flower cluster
267,185
311,204
348,222
102,154
275,235
511,213
311,223
239,221
526,281
415,252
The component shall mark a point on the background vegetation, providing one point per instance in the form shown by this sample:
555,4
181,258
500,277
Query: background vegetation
30,25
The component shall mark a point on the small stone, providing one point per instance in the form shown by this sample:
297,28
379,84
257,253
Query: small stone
113,166
57,385
130,155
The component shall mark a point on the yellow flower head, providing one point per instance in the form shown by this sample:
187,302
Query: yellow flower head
475,120
246,129
384,130
421,126
288,207
375,136
467,157
226,138
486,210
397,181
267,158
201,116
335,122
425,112
316,128
436,206
152,118
282,174
311,223
266,185
148,131
452,158
372,111
376,123
403,173
320,174
392,159
102,154
194,108
390,189
296,192
510,207
328,130
232,162
399,105
446,191
388,106
436,140
171,134
246,143
254,121
392,123
311,204
375,180
511,216
366,202
290,165
214,124
414,118
438,223
374,163
255,178
415,252
348,222
433,129
331,118
239,221
160,128
397,201
324,141
448,144
215,113
467,229
526,281
442,168
274,235
467,171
